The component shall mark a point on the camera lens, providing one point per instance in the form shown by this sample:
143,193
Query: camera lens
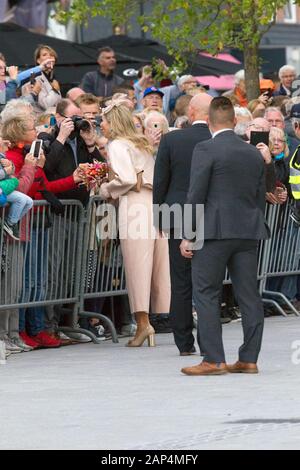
84,125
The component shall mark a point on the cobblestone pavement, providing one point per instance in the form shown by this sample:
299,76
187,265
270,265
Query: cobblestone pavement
110,397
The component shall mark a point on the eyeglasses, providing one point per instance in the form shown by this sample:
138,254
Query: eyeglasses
276,121
278,141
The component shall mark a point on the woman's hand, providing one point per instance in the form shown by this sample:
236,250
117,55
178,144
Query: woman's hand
8,166
13,72
103,191
55,85
153,136
4,145
36,87
265,151
281,195
42,160
30,159
271,198
77,175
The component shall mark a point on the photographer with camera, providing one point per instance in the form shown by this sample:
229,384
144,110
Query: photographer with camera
72,142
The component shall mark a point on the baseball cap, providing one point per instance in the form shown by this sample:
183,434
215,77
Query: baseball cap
295,111
152,89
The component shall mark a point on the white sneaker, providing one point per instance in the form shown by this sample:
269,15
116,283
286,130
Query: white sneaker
3,354
18,342
10,346
62,336
80,337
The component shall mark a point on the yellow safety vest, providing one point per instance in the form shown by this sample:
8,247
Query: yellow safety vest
294,179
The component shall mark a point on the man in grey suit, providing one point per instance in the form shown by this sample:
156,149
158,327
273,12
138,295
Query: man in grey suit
228,178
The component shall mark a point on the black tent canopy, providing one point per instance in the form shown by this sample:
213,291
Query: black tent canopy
17,44
74,60
146,49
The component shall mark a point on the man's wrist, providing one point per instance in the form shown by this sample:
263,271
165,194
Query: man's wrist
61,139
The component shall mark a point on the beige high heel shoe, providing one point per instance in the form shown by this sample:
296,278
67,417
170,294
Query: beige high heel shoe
148,333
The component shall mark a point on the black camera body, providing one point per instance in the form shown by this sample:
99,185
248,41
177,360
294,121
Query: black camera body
80,124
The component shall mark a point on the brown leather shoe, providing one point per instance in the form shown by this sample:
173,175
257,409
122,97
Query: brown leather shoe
243,368
206,368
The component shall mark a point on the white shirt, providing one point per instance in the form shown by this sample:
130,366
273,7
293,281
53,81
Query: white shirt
222,130
199,122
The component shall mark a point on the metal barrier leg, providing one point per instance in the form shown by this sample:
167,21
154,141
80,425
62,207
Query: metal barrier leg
105,320
276,305
68,329
74,329
282,297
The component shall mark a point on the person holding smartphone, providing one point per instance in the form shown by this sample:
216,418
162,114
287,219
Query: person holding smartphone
156,125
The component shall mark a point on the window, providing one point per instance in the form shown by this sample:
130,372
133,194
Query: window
290,12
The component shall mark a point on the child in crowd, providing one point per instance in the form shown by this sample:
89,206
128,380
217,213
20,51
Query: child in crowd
20,203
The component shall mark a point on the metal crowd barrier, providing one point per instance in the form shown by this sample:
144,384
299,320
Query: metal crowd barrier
103,273
281,258
278,257
42,268
64,261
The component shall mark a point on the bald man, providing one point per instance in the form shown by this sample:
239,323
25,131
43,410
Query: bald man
74,93
170,186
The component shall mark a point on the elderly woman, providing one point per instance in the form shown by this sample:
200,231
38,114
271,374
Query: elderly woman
21,132
145,252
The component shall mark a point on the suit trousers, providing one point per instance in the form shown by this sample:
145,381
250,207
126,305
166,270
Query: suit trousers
208,271
181,297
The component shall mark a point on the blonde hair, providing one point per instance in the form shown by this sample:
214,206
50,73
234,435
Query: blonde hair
277,130
15,128
122,127
252,105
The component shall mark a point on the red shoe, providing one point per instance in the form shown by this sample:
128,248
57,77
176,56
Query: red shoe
44,340
27,340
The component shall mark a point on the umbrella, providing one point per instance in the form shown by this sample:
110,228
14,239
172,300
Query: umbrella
147,49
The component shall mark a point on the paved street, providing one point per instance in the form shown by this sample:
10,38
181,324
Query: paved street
110,397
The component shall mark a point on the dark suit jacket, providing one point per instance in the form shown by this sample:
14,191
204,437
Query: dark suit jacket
173,164
228,177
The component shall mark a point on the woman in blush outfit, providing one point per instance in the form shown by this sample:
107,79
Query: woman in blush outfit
145,252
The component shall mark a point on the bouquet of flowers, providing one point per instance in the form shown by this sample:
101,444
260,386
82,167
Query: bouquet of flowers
93,174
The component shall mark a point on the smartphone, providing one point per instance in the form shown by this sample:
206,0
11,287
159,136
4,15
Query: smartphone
256,137
32,78
157,126
36,148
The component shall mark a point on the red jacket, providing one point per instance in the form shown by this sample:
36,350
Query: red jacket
40,181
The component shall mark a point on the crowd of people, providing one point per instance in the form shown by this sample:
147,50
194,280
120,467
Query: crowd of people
146,133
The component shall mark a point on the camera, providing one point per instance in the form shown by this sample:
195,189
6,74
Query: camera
80,124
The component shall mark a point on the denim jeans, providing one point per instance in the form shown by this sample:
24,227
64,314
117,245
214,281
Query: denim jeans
20,204
35,286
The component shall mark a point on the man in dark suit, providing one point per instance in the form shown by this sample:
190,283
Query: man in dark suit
228,178
171,183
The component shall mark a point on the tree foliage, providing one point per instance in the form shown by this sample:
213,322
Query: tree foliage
185,26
